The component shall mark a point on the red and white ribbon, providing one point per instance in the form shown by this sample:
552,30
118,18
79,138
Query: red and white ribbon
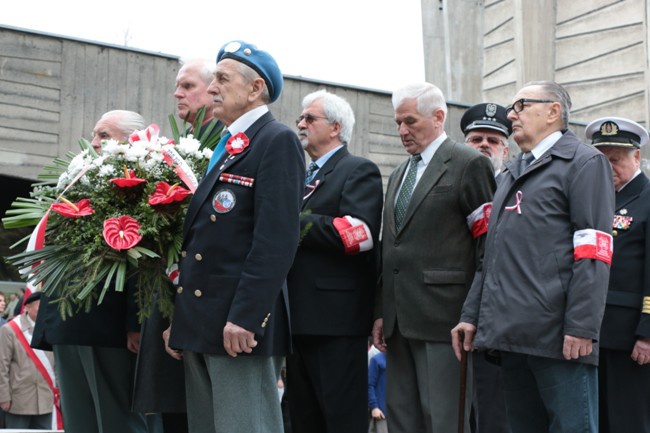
355,234
477,221
173,273
593,244
182,169
517,206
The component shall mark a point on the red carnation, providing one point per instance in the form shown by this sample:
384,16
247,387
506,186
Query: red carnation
128,180
73,210
122,233
166,194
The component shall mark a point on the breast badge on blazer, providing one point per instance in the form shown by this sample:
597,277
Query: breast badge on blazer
224,201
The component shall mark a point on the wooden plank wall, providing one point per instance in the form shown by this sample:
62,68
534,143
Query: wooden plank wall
53,90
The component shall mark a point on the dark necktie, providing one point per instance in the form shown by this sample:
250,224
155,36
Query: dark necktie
405,193
219,150
310,173
526,159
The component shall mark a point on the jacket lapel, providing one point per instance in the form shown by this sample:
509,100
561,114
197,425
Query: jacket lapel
323,172
211,178
631,191
432,174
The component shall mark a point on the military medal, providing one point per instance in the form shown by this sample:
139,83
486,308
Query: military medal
622,222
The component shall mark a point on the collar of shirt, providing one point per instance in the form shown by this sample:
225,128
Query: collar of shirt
320,162
546,144
247,119
636,173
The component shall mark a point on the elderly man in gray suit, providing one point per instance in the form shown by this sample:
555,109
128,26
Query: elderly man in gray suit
435,218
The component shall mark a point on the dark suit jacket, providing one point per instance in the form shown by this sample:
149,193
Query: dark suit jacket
428,266
331,293
105,325
237,253
629,279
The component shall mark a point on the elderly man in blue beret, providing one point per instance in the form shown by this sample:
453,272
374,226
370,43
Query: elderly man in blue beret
230,323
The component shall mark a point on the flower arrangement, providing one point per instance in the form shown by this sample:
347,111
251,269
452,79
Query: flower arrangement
111,219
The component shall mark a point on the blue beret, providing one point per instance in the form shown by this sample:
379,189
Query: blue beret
486,116
258,60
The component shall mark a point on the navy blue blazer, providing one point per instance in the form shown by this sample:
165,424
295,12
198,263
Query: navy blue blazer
240,236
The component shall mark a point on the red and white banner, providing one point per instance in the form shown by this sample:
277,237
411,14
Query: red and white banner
593,244
355,234
477,221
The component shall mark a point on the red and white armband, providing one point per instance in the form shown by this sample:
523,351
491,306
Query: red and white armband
355,234
593,244
477,221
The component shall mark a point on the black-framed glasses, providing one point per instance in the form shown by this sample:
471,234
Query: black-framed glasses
519,105
308,118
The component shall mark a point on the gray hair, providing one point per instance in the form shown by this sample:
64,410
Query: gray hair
336,109
429,98
205,68
126,121
251,74
557,93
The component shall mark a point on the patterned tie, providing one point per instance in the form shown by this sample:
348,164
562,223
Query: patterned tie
526,159
309,174
219,150
405,193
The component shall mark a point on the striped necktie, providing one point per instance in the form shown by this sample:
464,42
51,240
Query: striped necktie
405,193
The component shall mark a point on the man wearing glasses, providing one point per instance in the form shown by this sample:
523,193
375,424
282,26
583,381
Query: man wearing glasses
541,294
332,280
487,128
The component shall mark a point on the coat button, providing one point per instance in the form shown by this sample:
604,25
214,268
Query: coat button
198,293
614,233
198,257
184,253
179,290
213,217
395,271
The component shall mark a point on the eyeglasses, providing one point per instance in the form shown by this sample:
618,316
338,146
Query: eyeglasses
519,105
478,139
308,118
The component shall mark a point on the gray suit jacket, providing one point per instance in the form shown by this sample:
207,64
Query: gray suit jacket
428,266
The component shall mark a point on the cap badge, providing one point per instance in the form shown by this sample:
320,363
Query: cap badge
609,128
224,201
232,47
490,110
247,51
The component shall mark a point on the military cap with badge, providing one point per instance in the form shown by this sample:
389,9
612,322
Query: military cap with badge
486,116
622,133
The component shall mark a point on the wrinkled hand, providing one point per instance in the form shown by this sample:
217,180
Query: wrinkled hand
378,414
237,340
133,341
378,335
575,347
463,335
5,405
176,354
641,351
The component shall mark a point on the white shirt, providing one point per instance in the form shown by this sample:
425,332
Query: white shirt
545,145
247,119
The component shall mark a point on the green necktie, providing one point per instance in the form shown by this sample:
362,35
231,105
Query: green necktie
405,193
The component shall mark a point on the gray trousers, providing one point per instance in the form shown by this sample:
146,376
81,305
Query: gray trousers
232,395
422,386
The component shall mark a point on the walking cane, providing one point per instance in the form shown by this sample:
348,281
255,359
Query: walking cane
463,386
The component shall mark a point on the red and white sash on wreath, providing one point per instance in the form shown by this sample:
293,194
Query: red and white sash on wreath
42,365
